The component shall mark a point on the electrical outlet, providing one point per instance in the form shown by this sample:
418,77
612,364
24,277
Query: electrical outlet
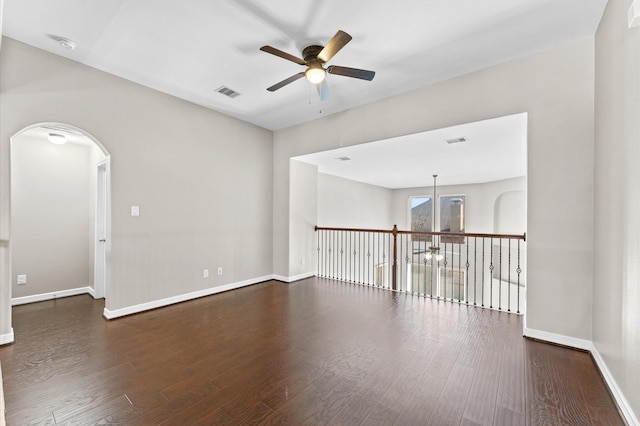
302,261
22,279
219,270
205,273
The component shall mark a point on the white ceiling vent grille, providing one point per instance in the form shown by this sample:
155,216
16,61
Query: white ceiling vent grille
227,92
456,140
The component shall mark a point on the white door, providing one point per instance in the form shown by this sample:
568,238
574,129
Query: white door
101,231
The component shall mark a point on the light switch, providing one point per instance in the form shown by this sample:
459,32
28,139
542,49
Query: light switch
135,210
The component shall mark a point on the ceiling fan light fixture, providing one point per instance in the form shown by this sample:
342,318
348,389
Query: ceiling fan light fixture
315,74
67,43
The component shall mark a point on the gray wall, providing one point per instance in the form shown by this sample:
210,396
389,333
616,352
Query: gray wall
203,180
616,290
556,89
52,189
349,204
480,204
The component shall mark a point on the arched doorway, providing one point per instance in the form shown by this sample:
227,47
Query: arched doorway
59,213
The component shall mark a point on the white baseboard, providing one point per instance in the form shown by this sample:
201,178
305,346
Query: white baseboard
616,392
623,404
294,278
559,339
52,295
116,313
5,339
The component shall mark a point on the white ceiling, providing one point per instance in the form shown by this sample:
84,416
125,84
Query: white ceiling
495,149
189,48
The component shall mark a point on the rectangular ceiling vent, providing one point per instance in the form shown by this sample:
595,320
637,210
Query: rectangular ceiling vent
227,92
456,140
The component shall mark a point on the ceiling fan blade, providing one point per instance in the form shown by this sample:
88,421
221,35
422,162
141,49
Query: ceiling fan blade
351,72
283,55
337,42
323,90
286,81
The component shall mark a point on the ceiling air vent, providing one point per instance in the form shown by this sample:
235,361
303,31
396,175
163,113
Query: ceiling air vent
343,158
456,140
227,92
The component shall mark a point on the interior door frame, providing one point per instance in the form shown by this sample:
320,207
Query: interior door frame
100,240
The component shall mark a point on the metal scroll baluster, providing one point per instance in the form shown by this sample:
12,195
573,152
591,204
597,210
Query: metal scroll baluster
406,263
518,272
459,278
509,279
475,270
482,280
330,254
423,256
318,251
445,263
500,278
378,248
466,275
353,260
369,258
491,276
341,263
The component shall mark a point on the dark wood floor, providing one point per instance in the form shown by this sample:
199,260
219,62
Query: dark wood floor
312,352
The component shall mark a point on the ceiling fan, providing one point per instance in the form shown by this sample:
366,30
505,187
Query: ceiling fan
314,59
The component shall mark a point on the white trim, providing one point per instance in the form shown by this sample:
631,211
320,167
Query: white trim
92,292
53,295
116,313
294,278
616,392
588,345
5,339
559,339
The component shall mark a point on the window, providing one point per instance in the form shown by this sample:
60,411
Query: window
446,283
421,220
452,217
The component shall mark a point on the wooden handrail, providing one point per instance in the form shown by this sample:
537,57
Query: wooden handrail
446,234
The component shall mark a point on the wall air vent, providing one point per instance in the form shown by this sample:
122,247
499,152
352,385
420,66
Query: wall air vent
227,92
456,140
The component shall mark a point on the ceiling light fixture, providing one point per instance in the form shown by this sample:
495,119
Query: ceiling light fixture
66,43
63,41
315,73
57,138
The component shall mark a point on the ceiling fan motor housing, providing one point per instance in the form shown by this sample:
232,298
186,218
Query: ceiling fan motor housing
310,54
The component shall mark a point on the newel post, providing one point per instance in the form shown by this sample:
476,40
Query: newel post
394,277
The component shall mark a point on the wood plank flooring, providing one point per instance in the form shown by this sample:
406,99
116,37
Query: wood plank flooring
312,352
